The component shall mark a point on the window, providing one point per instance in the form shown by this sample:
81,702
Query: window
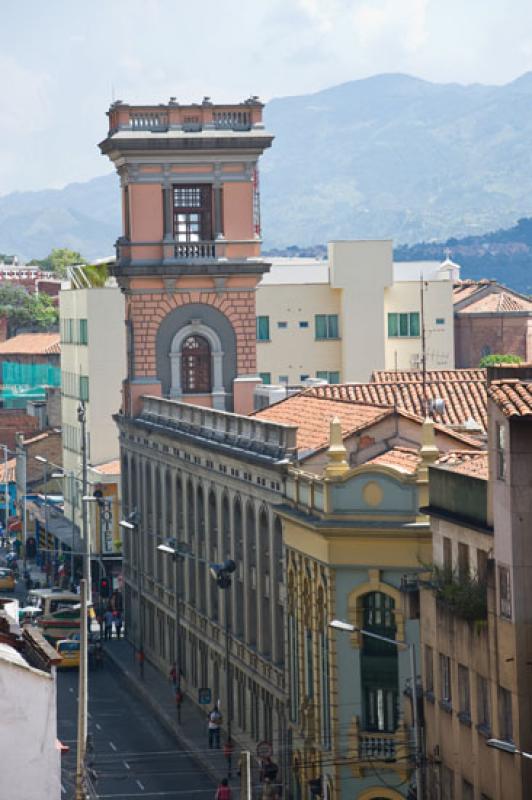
464,696
404,325
447,783
309,664
263,329
463,560
266,377
429,669
499,445
283,378
326,326
196,365
192,213
440,321
445,680
505,592
282,324
379,665
447,554
482,566
468,792
303,324
83,332
483,703
83,387
330,377
505,715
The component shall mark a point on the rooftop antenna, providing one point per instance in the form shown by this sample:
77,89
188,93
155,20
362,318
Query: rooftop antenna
423,345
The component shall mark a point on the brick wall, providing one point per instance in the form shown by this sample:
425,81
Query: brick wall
501,333
146,313
14,420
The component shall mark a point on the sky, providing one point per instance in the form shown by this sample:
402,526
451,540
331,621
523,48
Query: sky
63,61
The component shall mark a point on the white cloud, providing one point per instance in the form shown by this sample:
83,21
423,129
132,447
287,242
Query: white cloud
404,21
24,101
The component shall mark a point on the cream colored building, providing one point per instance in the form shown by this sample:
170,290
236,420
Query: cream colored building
357,312
93,365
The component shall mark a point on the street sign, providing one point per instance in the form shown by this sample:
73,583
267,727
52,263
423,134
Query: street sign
204,697
264,750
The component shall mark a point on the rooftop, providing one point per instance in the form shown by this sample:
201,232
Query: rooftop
33,344
513,397
404,459
487,296
465,399
466,463
108,468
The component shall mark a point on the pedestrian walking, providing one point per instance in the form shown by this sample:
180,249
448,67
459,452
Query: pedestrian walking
173,675
108,624
118,623
215,721
223,792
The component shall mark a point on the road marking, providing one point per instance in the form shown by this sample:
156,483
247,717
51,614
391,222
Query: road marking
113,746
70,689
98,726
140,785
126,765
63,789
89,714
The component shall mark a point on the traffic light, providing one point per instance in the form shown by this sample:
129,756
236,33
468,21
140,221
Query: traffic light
105,587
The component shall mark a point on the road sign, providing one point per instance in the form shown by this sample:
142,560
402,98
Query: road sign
264,750
204,697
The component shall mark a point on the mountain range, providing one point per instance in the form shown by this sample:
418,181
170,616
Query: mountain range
387,156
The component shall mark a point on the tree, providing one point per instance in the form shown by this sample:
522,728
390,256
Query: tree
59,259
23,309
494,359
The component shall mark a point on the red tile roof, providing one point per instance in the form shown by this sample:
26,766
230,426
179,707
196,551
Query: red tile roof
109,468
466,463
33,344
433,375
497,302
312,416
464,399
513,397
405,459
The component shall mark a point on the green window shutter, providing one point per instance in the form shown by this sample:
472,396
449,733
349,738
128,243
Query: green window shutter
393,325
263,329
266,377
332,320
334,377
83,387
323,375
403,324
321,326
83,332
414,323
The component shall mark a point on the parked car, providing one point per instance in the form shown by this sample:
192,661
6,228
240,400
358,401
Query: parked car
7,580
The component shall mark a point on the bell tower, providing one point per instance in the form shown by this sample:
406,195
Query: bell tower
189,259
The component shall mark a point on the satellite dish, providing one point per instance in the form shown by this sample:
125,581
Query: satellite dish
437,406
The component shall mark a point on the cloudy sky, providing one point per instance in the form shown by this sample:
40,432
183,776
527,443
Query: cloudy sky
62,61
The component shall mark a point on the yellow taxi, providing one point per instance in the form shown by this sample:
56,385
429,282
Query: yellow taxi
68,649
7,580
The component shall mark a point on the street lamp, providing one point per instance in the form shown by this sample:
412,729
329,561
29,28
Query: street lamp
132,524
221,573
339,625
178,551
507,747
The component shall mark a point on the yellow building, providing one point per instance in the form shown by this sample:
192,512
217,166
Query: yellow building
353,536
357,312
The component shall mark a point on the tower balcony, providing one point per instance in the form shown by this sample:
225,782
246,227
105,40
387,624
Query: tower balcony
376,750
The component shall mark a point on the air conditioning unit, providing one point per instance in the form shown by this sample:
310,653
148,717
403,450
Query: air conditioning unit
267,394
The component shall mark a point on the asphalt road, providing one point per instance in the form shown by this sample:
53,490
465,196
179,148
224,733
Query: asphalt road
134,756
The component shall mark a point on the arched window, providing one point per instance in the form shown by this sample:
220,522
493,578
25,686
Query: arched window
379,664
196,365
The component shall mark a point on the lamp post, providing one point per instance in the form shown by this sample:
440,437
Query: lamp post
507,747
178,551
339,625
132,524
82,419
222,575
44,462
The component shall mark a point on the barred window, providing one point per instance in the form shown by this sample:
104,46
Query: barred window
196,365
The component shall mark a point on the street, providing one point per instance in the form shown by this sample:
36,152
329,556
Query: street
134,756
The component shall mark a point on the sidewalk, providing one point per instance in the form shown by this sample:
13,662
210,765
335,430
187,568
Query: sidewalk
157,693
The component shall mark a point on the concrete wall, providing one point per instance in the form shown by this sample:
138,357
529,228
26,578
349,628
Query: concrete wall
294,351
31,768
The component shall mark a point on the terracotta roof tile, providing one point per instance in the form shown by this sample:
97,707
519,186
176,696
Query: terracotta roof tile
433,375
464,399
466,463
109,468
313,415
499,302
513,397
405,459
31,344
11,465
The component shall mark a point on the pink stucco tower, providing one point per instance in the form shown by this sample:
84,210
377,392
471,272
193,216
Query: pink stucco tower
188,259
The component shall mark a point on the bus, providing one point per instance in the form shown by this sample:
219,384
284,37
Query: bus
58,612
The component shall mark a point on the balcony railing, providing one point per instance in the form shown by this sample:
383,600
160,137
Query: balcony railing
195,250
148,122
377,746
232,120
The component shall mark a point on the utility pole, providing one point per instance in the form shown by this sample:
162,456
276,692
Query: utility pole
82,698
423,346
245,773
82,419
